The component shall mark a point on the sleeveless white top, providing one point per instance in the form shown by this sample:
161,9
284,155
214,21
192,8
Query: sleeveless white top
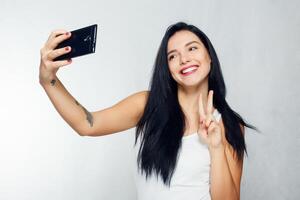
191,178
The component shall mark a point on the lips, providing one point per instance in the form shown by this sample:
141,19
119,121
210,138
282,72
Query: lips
182,69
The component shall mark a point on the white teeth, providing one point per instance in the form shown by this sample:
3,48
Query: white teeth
188,70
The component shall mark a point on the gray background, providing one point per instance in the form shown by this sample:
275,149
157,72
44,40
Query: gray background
41,157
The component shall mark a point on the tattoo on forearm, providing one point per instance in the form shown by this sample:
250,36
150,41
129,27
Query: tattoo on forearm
53,82
89,116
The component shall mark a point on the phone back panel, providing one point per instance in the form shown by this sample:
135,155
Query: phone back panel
82,42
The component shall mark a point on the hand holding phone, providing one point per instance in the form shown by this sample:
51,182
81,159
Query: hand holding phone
55,55
82,42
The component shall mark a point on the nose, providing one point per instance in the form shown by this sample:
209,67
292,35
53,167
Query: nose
184,59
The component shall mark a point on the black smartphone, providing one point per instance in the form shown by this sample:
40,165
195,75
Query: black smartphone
82,42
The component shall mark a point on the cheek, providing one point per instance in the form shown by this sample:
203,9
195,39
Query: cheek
202,57
172,69
206,65
172,66
207,57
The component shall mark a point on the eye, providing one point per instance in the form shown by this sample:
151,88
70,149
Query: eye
171,57
192,48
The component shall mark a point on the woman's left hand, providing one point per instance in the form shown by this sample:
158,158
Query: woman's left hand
209,129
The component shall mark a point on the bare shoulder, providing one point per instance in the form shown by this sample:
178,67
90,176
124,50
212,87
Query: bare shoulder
225,142
140,99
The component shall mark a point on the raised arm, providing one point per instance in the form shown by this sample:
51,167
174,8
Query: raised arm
122,116
119,117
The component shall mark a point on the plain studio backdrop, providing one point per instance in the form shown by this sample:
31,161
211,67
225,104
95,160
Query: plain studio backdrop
42,157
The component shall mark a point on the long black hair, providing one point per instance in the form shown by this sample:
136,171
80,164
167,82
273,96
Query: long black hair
163,122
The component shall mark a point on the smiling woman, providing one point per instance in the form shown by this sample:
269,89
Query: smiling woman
187,94
186,99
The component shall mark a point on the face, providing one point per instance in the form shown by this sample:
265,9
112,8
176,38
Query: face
188,59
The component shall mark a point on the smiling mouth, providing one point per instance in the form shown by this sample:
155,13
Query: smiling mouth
188,71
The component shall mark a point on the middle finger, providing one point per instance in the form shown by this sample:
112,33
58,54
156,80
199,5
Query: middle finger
209,107
52,43
58,52
201,108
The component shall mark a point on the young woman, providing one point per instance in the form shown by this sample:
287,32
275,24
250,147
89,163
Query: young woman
189,142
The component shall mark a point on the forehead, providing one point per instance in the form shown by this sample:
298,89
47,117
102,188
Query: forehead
180,38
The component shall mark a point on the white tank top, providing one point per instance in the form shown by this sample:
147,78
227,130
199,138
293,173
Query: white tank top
191,178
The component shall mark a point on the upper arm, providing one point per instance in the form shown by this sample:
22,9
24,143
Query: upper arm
235,165
121,116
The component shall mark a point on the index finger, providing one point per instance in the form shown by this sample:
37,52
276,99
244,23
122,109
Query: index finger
55,33
56,38
209,108
201,108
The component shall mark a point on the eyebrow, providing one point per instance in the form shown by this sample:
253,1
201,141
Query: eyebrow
187,44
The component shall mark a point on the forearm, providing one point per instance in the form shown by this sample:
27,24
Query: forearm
70,110
222,185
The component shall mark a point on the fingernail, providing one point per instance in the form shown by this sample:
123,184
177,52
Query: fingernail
67,48
70,60
67,33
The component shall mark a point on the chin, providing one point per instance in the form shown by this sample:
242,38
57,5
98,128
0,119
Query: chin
193,82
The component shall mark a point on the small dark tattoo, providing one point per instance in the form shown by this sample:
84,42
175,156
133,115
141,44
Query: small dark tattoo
53,82
89,116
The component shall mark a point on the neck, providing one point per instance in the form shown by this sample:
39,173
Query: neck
188,97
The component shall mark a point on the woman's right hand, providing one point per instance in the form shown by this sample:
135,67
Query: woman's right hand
48,67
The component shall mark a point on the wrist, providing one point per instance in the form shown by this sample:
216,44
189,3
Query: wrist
216,149
47,82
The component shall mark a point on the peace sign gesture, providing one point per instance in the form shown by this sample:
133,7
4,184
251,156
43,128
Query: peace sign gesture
209,129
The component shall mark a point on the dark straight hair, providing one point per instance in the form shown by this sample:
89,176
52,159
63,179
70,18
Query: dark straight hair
162,124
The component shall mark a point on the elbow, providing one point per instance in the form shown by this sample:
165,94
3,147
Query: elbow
80,132
83,132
